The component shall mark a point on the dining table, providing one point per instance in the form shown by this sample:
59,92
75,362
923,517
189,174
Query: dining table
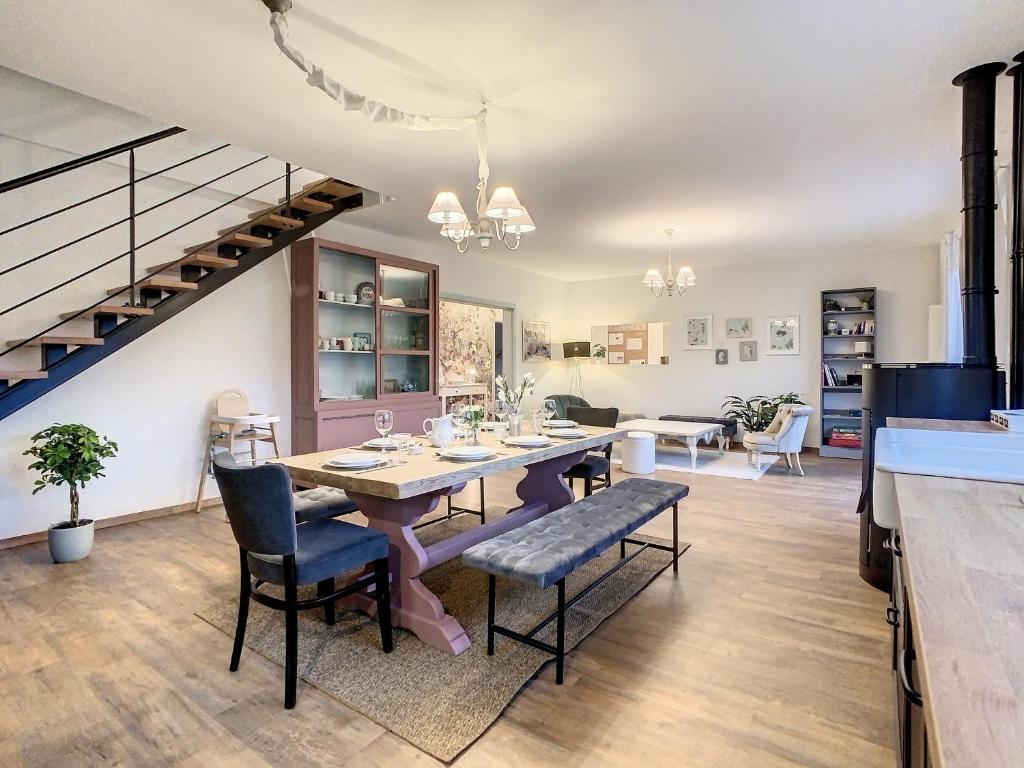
394,498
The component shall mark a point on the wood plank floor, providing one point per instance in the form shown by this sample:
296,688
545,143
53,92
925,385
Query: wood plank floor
767,650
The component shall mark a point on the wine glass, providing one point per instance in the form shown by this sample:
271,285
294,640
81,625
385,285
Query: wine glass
383,421
500,410
459,422
550,409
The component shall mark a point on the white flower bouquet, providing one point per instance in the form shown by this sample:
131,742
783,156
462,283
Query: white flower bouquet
514,396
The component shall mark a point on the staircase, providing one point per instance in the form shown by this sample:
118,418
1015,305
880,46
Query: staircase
130,310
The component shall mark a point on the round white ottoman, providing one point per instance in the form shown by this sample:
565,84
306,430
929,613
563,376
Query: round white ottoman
638,453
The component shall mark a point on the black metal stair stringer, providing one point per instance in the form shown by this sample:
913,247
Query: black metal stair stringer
18,396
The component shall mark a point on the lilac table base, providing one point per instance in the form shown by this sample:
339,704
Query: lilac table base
415,607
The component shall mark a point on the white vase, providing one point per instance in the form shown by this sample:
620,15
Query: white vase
70,544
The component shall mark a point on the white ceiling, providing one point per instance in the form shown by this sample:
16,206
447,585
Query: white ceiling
756,129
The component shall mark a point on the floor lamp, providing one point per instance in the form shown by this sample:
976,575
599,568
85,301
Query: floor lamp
575,352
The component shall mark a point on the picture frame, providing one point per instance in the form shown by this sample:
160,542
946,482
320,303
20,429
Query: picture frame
721,357
783,335
536,341
739,327
748,351
367,343
697,332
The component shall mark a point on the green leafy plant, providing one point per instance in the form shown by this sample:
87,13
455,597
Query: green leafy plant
600,351
69,454
756,413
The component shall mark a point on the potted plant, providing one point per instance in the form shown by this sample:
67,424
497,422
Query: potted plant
69,454
756,413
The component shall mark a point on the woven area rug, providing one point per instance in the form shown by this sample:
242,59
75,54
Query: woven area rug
438,702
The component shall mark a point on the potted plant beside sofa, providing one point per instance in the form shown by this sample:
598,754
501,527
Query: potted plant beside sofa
71,455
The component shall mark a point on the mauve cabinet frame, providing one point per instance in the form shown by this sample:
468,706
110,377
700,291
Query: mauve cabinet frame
319,426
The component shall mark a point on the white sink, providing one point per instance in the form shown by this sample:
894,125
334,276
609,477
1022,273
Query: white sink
993,456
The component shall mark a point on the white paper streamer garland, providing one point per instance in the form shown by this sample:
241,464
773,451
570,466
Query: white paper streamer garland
352,101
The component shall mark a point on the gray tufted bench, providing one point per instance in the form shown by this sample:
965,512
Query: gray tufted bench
544,551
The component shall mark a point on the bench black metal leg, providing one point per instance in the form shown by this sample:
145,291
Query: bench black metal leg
675,537
245,588
323,588
483,504
560,631
449,507
490,614
382,589
622,548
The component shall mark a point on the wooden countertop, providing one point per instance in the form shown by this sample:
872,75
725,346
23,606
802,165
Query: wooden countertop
428,472
963,545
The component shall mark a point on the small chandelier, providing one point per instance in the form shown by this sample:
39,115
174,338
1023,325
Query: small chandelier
670,285
504,217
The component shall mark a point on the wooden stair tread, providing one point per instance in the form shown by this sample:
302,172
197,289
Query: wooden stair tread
310,205
109,309
164,283
8,375
275,220
199,259
331,187
70,341
247,241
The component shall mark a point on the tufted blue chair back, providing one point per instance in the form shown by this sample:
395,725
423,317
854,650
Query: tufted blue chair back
258,501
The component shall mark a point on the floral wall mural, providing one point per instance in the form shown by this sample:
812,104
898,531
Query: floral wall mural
466,342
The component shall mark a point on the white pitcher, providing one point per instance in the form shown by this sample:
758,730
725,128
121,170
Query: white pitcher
440,430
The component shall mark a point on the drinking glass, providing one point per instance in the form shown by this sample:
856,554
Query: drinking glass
402,441
383,421
459,422
550,409
537,418
500,410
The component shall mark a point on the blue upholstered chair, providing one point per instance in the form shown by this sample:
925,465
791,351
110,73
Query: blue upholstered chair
563,402
594,465
275,550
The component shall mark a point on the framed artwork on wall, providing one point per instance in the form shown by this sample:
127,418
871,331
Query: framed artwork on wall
739,327
748,351
536,341
783,335
721,357
697,332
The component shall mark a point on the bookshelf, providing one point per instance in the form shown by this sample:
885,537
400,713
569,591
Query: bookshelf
848,337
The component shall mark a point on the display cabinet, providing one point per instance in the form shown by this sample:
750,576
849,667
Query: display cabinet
364,336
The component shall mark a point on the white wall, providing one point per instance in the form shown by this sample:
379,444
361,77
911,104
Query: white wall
692,384
152,397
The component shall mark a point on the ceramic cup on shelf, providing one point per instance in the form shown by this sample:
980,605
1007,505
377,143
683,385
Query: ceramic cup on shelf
335,343
325,344
350,298
329,295
346,342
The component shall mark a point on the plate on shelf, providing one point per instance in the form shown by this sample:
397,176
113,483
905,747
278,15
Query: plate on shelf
354,461
467,452
568,432
528,441
560,423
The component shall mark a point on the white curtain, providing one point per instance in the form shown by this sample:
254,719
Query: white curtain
952,258
1004,247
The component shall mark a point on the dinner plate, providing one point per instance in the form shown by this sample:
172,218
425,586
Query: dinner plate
354,461
467,452
560,423
528,441
567,433
381,442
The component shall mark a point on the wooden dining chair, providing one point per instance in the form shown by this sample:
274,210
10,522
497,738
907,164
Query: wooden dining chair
274,550
594,465
234,424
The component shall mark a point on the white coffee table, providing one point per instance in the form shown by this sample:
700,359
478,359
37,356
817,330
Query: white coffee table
689,432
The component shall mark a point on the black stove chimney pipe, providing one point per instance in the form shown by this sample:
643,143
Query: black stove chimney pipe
978,164
1017,257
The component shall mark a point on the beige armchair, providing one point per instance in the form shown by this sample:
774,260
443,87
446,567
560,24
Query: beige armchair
784,435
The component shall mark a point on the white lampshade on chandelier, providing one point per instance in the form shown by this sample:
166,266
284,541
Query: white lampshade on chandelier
503,217
670,284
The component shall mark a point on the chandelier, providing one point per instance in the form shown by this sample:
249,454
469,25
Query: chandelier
503,217
669,285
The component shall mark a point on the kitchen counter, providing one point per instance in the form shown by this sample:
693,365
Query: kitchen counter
963,546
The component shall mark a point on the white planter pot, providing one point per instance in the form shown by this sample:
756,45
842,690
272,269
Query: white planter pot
70,544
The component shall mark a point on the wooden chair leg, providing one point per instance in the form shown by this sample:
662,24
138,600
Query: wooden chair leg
291,633
588,486
202,475
245,587
799,467
382,590
273,440
789,461
326,587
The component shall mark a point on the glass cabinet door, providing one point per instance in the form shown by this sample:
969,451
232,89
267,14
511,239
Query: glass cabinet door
406,288
404,373
346,327
404,331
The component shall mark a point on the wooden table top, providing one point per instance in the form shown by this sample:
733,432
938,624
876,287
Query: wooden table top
963,544
429,472
670,427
